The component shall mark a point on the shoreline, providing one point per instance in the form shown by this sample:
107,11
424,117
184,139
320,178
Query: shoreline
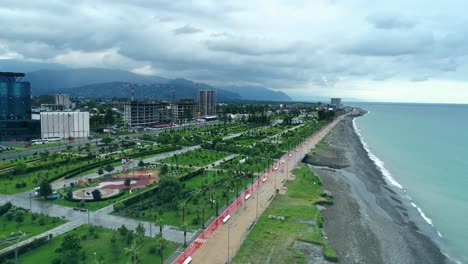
372,220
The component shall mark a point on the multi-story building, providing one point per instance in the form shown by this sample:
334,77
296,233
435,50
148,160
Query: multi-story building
64,124
15,108
63,99
15,97
336,103
183,111
146,113
206,103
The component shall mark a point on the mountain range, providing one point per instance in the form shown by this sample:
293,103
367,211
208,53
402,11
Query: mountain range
109,83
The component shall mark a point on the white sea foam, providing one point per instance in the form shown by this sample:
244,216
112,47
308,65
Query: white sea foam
378,162
422,214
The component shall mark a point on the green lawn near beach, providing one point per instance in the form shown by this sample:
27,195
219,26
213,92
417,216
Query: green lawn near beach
97,245
273,238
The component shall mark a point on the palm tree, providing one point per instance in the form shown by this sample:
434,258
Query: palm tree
133,251
159,222
216,198
203,206
210,190
160,244
182,206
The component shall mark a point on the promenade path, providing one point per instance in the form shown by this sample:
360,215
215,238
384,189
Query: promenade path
215,249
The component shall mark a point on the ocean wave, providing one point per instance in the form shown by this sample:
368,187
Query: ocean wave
427,219
378,162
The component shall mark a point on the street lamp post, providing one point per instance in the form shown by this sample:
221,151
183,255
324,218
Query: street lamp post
256,212
30,202
150,229
16,247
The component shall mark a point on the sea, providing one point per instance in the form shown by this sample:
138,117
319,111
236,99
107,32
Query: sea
423,150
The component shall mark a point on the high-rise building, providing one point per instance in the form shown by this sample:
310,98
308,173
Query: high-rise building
15,97
336,103
64,124
206,103
15,108
64,100
146,113
183,111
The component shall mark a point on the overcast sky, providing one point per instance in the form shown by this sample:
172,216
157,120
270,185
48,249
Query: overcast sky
413,51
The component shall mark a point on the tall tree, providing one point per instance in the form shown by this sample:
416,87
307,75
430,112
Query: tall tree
109,168
133,252
160,244
140,232
45,189
159,222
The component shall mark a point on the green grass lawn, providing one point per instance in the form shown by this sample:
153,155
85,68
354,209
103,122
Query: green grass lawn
32,224
197,158
273,238
98,246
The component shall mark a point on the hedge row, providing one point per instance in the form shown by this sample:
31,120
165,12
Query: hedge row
25,248
5,207
45,166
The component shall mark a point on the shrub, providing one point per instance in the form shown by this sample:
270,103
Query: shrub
4,208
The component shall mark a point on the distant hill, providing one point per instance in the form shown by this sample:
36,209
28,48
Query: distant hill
257,93
182,88
108,83
42,81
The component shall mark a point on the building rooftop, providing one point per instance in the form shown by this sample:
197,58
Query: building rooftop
11,76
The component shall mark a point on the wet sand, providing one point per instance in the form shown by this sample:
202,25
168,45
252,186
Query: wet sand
370,221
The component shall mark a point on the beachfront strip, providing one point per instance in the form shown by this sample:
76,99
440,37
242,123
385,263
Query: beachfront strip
216,253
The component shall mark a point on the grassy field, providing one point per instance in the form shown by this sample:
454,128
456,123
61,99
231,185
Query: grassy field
98,246
32,224
272,238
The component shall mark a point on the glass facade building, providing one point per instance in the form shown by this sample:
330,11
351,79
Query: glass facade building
15,100
15,109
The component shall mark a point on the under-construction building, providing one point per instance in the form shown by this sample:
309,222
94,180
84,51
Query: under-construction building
206,103
146,113
184,111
